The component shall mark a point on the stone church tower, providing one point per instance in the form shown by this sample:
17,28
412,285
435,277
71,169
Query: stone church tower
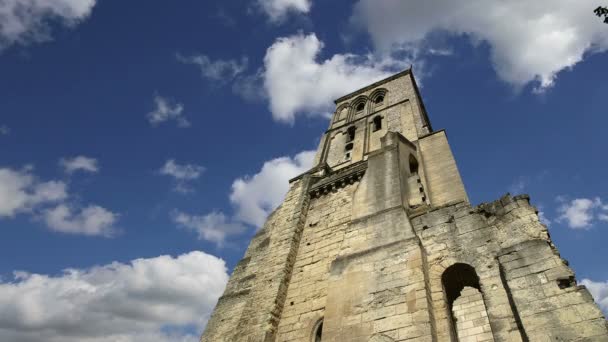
378,242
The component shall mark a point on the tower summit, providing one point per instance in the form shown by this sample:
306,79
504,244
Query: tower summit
378,242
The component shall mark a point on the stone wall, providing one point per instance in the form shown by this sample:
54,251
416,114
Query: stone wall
380,253
471,318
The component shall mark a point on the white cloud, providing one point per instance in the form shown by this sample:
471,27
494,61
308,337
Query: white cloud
254,197
214,227
530,41
165,111
182,174
139,301
296,82
70,165
92,220
599,291
4,130
21,191
26,21
277,10
580,213
218,70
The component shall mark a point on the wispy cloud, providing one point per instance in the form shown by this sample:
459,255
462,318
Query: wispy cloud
4,130
165,110
215,70
182,174
79,163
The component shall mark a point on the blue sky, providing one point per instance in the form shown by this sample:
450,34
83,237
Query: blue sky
143,143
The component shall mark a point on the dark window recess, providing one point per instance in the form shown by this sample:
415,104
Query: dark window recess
379,99
360,107
319,332
377,123
566,282
348,147
351,134
413,165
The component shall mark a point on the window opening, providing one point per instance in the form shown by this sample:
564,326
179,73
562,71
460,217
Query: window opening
318,332
377,123
360,107
413,165
379,99
461,285
351,134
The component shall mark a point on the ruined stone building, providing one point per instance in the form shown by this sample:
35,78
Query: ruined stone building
378,242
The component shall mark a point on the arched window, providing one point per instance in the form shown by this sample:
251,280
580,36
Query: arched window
413,165
360,107
318,331
379,99
465,301
377,123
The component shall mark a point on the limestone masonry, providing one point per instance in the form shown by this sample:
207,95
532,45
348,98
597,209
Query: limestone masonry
378,242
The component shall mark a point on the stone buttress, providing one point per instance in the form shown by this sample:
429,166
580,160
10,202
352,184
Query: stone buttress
378,242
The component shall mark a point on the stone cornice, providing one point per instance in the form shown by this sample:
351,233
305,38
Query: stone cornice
338,179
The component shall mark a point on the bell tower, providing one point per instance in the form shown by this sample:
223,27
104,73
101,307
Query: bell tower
378,242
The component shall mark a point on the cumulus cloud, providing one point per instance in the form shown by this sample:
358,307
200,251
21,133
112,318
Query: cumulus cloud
182,174
530,41
277,10
158,299
92,220
24,22
79,163
297,82
254,197
213,227
580,213
599,291
218,70
21,191
165,110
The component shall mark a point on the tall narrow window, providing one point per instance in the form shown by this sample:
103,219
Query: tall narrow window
351,134
377,123
413,165
318,331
